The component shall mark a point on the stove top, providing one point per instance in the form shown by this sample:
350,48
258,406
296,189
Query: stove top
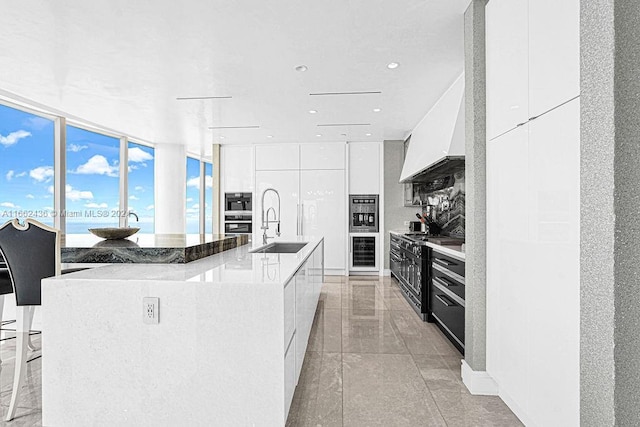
438,240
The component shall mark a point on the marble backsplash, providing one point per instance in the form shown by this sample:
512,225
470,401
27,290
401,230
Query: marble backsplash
445,206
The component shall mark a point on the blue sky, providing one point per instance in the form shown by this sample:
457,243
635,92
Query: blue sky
92,178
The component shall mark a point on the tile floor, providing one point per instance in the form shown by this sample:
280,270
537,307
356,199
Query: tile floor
372,362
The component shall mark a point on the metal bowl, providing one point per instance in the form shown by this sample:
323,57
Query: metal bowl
114,233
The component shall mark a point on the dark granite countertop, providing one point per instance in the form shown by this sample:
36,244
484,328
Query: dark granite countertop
147,248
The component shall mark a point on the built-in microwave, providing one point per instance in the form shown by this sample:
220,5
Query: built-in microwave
238,223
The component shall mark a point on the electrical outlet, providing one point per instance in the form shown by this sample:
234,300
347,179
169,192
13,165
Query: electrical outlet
407,223
151,310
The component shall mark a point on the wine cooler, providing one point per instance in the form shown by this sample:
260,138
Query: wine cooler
363,252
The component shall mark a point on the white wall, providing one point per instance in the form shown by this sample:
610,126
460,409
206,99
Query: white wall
170,188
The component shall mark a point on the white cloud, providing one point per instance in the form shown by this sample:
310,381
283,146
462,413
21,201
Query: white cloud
8,205
9,175
196,206
150,207
137,155
47,208
133,198
75,195
50,189
21,174
97,165
42,173
208,181
138,188
76,148
190,199
194,182
30,196
13,137
37,123
96,205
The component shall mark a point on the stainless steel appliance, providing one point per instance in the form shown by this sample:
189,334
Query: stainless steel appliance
409,261
238,216
363,213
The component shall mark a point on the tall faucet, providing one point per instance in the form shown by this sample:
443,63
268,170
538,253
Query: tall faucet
134,214
265,216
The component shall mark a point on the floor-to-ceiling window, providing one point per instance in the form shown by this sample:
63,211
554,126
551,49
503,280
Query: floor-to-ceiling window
26,166
141,186
208,197
92,180
193,195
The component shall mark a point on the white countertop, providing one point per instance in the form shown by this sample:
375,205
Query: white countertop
233,266
451,250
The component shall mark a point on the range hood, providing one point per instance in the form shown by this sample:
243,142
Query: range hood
436,148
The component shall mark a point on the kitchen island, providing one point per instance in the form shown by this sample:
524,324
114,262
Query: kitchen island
228,348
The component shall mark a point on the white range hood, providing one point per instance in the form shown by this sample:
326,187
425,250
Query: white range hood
439,137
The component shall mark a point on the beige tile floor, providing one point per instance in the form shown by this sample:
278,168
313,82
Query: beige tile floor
372,362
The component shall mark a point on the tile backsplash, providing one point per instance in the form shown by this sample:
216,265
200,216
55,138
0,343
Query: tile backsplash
446,205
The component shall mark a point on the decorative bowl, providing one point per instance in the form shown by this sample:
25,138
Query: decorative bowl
114,233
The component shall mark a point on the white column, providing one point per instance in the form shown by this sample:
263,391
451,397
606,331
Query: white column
170,188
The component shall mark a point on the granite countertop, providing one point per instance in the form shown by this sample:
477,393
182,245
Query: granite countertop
146,248
453,250
235,266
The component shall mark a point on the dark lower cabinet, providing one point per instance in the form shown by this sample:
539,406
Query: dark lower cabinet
446,297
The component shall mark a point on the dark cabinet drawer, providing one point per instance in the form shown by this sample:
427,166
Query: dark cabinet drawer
448,262
447,281
448,312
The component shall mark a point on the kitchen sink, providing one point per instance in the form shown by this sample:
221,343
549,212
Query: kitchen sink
280,248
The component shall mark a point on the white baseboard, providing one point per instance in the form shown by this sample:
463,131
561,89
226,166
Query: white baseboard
478,382
386,272
334,272
515,408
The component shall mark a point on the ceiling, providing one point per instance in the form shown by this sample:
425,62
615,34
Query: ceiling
122,64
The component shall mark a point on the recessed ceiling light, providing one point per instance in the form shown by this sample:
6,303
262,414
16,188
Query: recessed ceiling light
392,65
318,135
301,68
313,111
269,136
221,137
376,110
343,134
367,134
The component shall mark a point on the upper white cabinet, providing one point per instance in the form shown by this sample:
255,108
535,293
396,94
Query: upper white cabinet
277,157
364,168
237,168
532,53
554,53
507,65
322,156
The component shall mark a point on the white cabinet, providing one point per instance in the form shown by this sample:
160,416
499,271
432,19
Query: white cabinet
322,156
323,203
533,265
554,53
364,168
533,63
277,157
507,65
236,169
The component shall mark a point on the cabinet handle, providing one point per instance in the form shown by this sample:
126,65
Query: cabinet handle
442,281
444,262
441,298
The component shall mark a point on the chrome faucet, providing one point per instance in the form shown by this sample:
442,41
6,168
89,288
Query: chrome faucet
265,216
135,215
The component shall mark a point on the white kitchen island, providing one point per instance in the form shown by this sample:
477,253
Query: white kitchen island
228,348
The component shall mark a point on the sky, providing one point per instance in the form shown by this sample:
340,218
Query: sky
92,178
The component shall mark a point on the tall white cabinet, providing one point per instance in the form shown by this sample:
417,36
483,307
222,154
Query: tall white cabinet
533,207
311,181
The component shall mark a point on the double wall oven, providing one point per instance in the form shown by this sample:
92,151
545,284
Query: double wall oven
238,217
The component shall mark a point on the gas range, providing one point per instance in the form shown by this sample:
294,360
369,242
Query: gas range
421,238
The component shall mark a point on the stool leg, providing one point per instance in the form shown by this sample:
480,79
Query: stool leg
1,313
30,346
23,324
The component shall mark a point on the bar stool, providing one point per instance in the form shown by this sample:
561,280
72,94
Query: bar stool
32,253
